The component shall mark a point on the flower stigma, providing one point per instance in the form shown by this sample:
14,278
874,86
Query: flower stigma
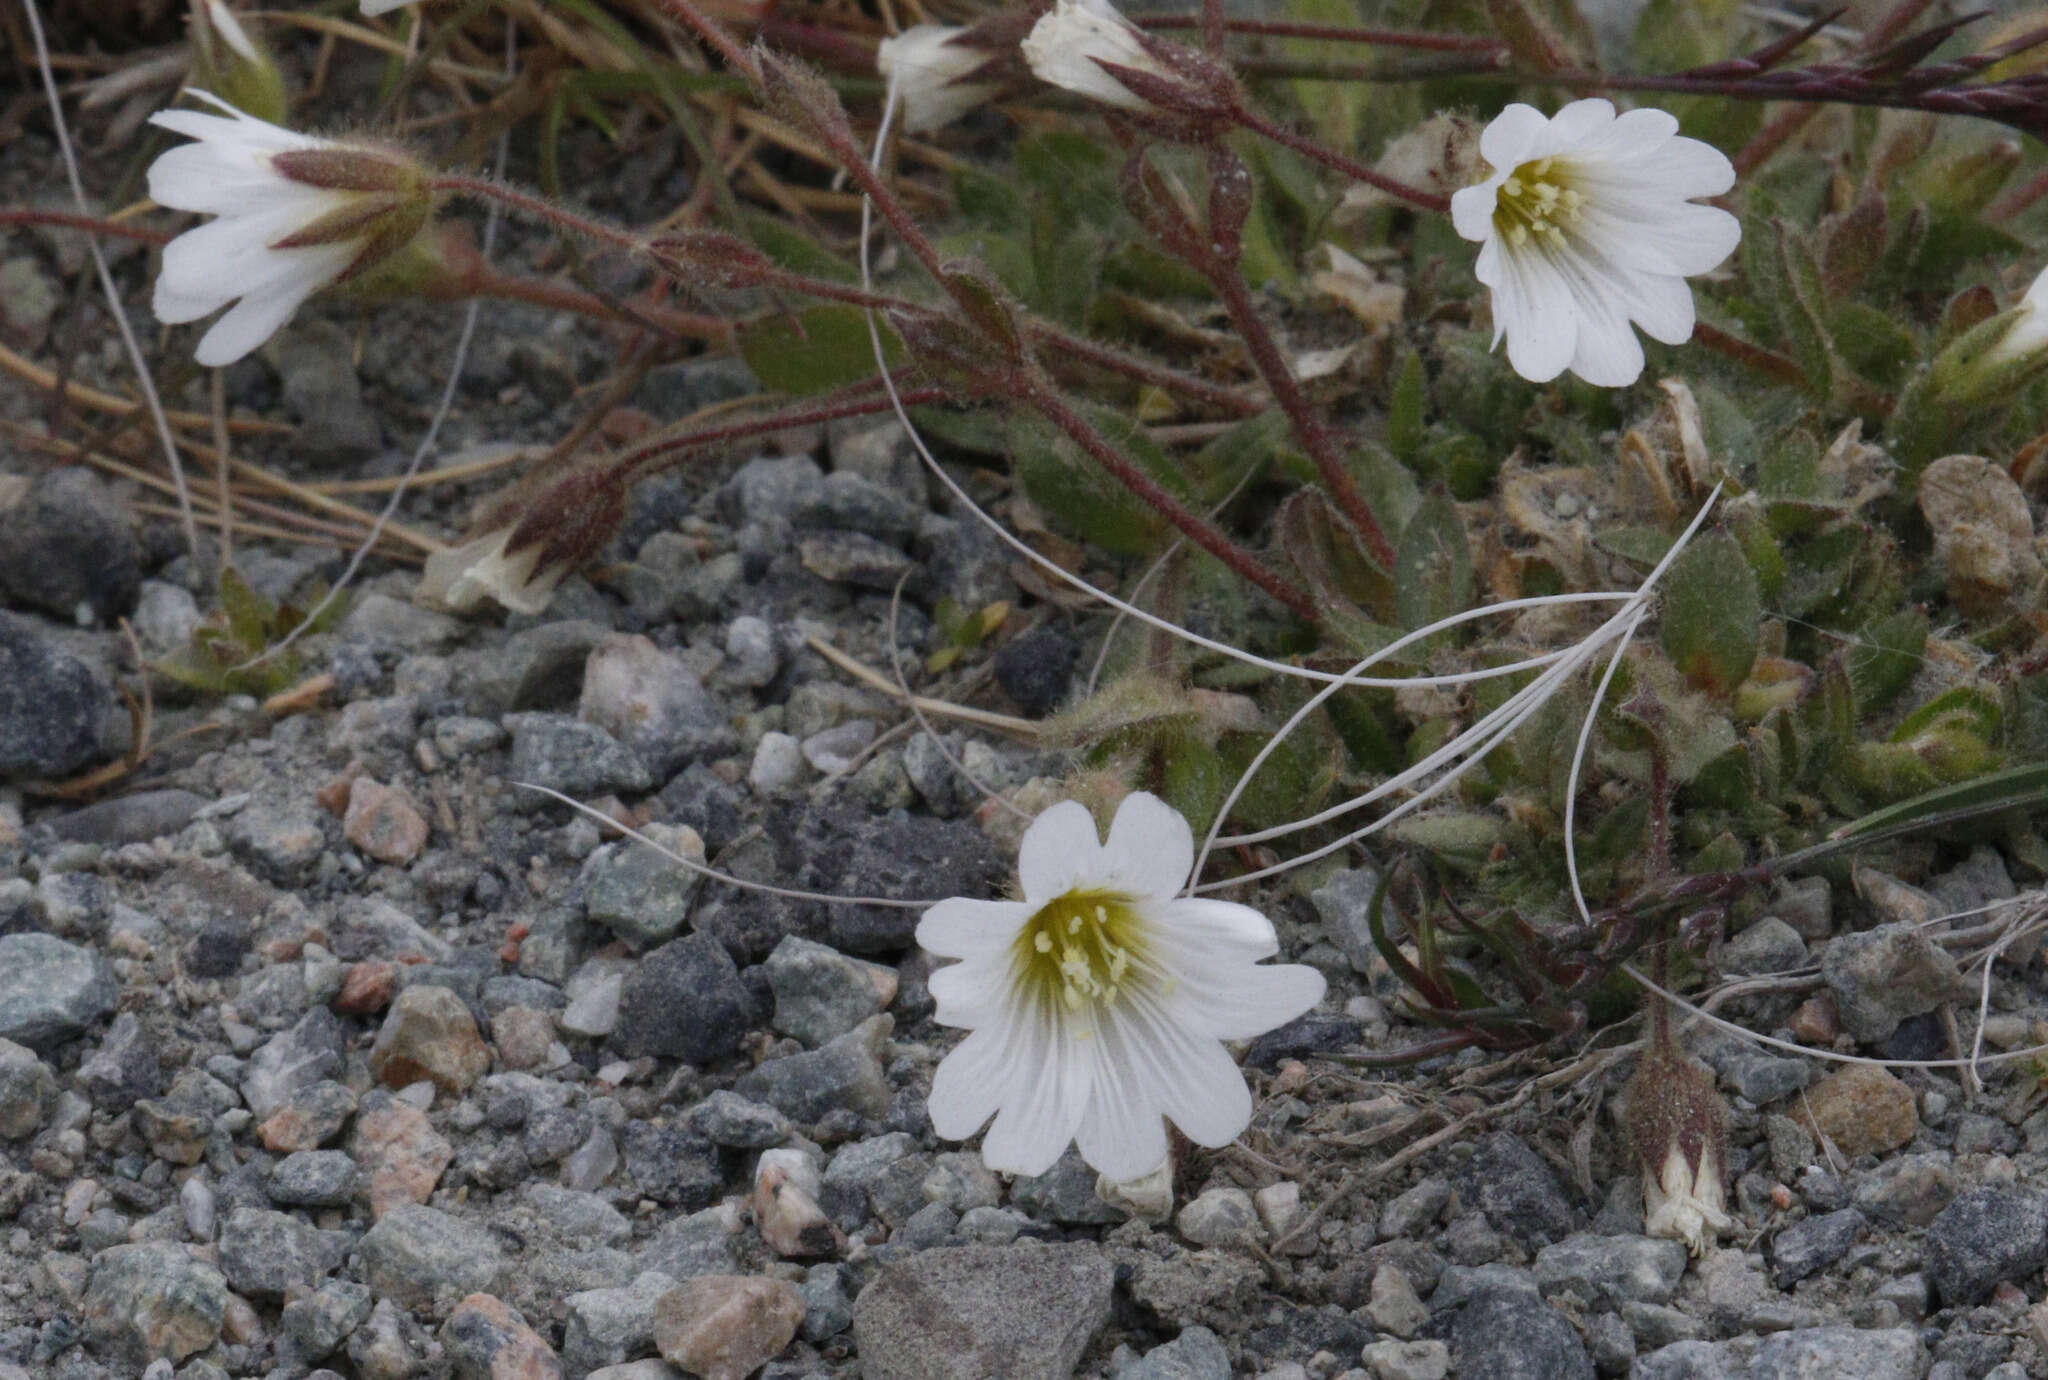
1532,202
1081,948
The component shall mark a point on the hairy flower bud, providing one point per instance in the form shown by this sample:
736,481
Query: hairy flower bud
1679,1127
1995,357
936,73
1087,47
527,547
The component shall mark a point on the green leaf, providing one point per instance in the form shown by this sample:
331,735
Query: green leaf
1456,836
817,350
248,613
796,251
1711,613
1076,492
1886,656
1433,564
1404,411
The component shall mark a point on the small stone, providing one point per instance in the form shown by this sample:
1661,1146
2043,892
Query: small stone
846,1072
608,1326
282,840
390,1345
853,558
1609,1270
725,1327
309,1118
124,1069
27,1090
1515,1336
1063,1194
524,1038
264,1253
1517,1191
1036,668
639,893
1768,946
50,991
424,1258
366,988
383,822
1024,1312
430,1033
652,702
308,1053
1416,1210
1862,1109
1910,1190
837,749
1806,1248
313,1178
1394,1306
54,708
786,1191
1218,1217
820,993
736,1123
1392,1360
487,1340
154,1300
572,757
319,1322
1815,1021
1891,900
683,1000
196,1201
778,764
1888,1354
138,818
1987,1236
1196,1354
399,1153
752,657
963,1182
1882,976
68,548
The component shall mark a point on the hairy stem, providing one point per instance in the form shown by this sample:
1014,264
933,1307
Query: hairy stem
1757,357
1199,530
637,460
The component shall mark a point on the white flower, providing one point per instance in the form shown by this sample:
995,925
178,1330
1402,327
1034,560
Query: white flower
373,8
294,214
1683,1205
1069,44
1098,1003
1588,224
462,577
928,72
2028,333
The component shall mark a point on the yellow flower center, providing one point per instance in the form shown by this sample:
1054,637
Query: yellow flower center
1083,948
1535,200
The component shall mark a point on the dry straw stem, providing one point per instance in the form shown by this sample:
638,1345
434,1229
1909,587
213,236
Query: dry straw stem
1024,730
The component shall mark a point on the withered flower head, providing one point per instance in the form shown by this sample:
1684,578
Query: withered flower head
1679,1126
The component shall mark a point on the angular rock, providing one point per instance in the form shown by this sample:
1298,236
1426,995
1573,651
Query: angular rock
280,839
1810,1246
1196,1354
1218,1217
27,1088
820,993
1035,669
1882,976
1026,1312
1514,1336
124,1069
1892,1353
319,1322
50,990
638,893
263,1254
400,1154
153,1300
68,548
423,1258
430,1033
309,1118
486,1339
313,1178
54,708
575,758
843,1073
1607,1271
1988,1235
1517,1191
652,702
1862,1108
725,1327
607,1327
683,1000
383,822
137,818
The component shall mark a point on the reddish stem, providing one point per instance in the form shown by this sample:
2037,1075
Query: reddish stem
1334,33
815,415
94,224
1350,167
1196,528
1758,357
540,209
1771,138
541,292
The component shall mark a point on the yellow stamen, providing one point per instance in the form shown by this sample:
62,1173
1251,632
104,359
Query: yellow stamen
1084,948
1536,199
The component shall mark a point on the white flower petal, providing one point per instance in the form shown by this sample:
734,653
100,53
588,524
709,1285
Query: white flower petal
1507,138
257,316
972,992
1032,1129
373,8
1472,208
1581,122
1198,1086
962,928
1122,1134
1533,305
1071,41
971,1083
926,70
1150,850
1220,931
1059,848
1244,1003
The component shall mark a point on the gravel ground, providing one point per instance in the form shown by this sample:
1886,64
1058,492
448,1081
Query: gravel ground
324,1050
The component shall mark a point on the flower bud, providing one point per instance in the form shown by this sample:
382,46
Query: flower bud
1991,359
1149,1198
1087,47
1679,1127
526,549
226,59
